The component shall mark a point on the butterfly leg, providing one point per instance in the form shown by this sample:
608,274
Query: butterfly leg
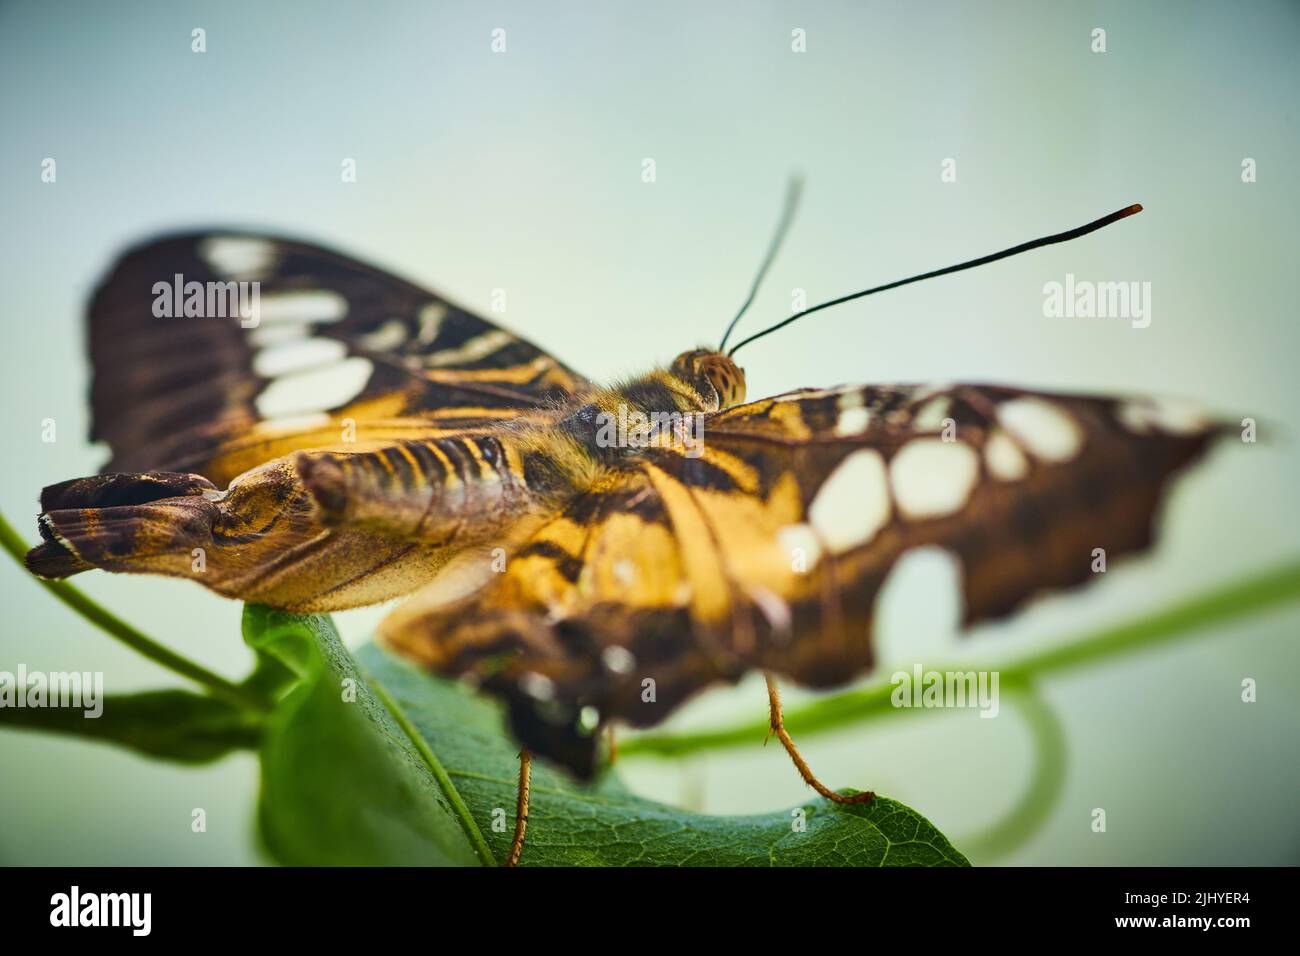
777,726
521,808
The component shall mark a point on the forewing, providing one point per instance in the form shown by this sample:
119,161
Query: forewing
332,344
770,550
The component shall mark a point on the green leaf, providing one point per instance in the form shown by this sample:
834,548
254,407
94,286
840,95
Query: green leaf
420,770
341,781
570,824
172,724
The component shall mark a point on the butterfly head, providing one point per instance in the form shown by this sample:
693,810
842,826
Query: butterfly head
711,374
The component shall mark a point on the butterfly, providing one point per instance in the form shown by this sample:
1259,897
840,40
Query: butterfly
589,554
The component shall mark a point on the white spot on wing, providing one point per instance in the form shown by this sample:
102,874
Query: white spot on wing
297,354
618,659
930,417
796,538
430,320
238,257
537,686
476,348
1164,414
317,390
307,305
932,478
1003,457
853,504
852,421
390,334
1044,428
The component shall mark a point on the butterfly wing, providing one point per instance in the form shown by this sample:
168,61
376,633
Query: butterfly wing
770,549
189,399
333,341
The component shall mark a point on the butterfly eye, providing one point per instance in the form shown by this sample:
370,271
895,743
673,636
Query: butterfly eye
725,376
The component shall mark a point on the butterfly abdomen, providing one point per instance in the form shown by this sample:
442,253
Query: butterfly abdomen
412,489
449,490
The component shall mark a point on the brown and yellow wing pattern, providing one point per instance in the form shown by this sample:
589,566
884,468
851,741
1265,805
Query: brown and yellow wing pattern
770,549
332,340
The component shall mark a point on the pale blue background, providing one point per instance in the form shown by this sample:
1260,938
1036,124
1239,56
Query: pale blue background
522,171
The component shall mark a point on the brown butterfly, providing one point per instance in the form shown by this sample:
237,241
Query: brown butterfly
589,554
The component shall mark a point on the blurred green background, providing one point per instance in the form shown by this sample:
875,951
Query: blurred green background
522,171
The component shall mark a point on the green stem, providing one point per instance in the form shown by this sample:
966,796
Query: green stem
216,685
1045,786
1276,586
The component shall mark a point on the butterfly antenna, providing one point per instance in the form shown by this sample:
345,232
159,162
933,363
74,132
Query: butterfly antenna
983,260
792,191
